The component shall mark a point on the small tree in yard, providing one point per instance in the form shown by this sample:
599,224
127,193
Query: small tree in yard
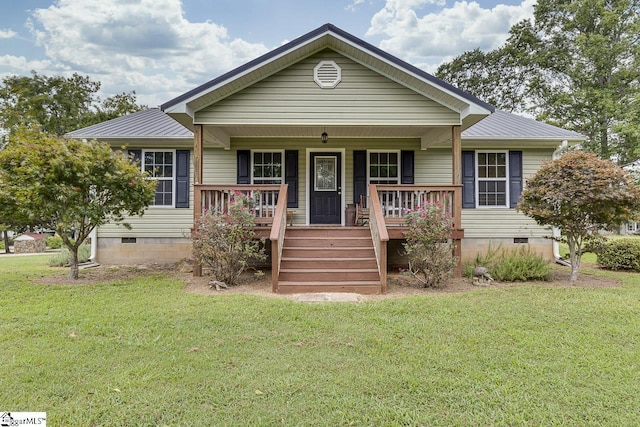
226,241
428,246
69,186
580,194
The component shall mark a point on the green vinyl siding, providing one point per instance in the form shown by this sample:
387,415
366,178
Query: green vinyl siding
157,221
503,222
292,97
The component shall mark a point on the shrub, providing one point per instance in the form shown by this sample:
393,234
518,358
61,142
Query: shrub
594,243
61,259
620,254
517,264
428,245
54,242
226,241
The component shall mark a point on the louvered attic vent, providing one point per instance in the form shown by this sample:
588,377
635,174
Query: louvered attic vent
327,74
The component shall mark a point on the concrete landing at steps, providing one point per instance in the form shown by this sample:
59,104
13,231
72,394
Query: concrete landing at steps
329,297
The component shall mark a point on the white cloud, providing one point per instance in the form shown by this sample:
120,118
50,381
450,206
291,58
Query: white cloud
354,4
433,38
19,64
146,45
7,34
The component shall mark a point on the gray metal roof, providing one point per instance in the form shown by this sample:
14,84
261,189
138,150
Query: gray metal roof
151,123
154,123
504,125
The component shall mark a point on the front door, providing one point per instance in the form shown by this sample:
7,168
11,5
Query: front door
325,194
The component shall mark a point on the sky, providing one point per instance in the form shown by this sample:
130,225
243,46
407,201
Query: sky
163,48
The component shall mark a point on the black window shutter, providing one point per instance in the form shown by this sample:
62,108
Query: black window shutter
291,177
407,167
515,177
182,178
136,156
359,174
244,167
468,179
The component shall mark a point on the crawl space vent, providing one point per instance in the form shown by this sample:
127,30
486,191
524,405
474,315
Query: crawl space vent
327,74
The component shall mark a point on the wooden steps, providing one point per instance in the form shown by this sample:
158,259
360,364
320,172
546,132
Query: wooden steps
328,259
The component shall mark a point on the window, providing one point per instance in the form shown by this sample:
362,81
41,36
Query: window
492,179
384,167
267,167
160,167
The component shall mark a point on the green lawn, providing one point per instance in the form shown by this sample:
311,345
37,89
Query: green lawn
143,352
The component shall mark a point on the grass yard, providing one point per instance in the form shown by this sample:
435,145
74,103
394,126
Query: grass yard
143,352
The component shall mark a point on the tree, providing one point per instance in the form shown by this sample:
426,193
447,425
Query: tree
580,194
57,104
576,66
499,77
69,186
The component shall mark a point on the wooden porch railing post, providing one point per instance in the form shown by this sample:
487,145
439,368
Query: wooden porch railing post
456,173
197,194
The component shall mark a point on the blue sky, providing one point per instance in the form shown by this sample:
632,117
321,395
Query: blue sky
162,48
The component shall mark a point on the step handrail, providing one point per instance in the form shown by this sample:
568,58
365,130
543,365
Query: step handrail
278,228
379,234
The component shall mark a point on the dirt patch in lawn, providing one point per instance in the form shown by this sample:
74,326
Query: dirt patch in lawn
107,274
254,283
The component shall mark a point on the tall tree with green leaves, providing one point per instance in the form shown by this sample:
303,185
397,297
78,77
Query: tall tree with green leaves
69,186
58,104
580,194
576,66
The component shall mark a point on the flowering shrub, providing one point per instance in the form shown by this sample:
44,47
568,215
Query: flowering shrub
226,241
428,246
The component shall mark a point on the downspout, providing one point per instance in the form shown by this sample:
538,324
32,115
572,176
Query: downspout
556,231
93,235
94,243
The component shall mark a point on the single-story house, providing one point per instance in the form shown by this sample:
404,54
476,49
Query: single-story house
317,126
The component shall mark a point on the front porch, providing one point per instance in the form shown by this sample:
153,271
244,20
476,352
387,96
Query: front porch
338,258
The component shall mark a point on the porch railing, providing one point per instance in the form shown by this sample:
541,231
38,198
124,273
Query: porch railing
270,210
216,198
396,201
391,203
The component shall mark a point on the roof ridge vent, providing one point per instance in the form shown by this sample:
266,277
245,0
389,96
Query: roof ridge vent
327,74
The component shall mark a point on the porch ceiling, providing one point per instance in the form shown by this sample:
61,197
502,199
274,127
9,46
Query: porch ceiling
333,131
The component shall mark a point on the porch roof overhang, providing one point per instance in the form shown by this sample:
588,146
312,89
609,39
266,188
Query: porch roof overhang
184,107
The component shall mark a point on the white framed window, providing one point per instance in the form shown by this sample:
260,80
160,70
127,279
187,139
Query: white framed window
383,167
267,167
160,166
492,183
